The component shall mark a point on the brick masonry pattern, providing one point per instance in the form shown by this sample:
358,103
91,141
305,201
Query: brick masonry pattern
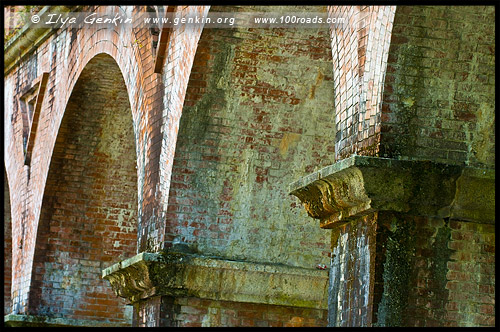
450,121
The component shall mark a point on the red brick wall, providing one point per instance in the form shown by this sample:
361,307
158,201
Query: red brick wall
257,116
438,104
165,103
434,272
428,297
452,279
439,87
7,247
89,212
195,312
64,55
471,275
392,269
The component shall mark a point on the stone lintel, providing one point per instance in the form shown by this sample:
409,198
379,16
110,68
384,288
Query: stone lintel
181,274
13,320
358,185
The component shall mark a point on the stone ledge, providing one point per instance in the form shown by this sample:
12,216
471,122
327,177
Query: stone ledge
359,185
13,320
181,274
28,38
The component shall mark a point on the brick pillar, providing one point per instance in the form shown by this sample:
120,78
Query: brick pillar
398,252
412,236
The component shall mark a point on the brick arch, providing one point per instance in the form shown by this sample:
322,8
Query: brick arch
90,42
439,105
360,51
155,105
258,113
88,218
65,69
167,103
85,45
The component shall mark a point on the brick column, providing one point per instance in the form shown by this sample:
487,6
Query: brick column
394,228
412,234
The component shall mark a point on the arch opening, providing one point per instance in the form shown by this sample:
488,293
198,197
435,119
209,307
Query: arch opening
88,219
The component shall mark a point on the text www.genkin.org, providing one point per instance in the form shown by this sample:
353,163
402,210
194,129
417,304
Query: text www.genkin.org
250,19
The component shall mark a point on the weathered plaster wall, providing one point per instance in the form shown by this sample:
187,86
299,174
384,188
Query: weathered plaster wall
258,114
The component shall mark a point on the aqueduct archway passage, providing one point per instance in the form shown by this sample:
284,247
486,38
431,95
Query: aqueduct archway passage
156,166
89,210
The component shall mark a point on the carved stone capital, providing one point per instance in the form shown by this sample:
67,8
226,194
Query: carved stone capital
359,185
181,274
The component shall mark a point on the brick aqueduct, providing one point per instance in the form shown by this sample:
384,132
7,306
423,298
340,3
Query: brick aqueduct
119,211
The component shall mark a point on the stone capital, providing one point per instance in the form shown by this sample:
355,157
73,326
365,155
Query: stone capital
181,274
358,185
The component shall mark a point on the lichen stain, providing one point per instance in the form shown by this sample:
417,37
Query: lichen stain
72,281
212,318
295,322
115,126
408,102
319,79
288,141
482,144
400,248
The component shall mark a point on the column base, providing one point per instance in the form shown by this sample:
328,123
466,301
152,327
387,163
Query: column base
413,241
